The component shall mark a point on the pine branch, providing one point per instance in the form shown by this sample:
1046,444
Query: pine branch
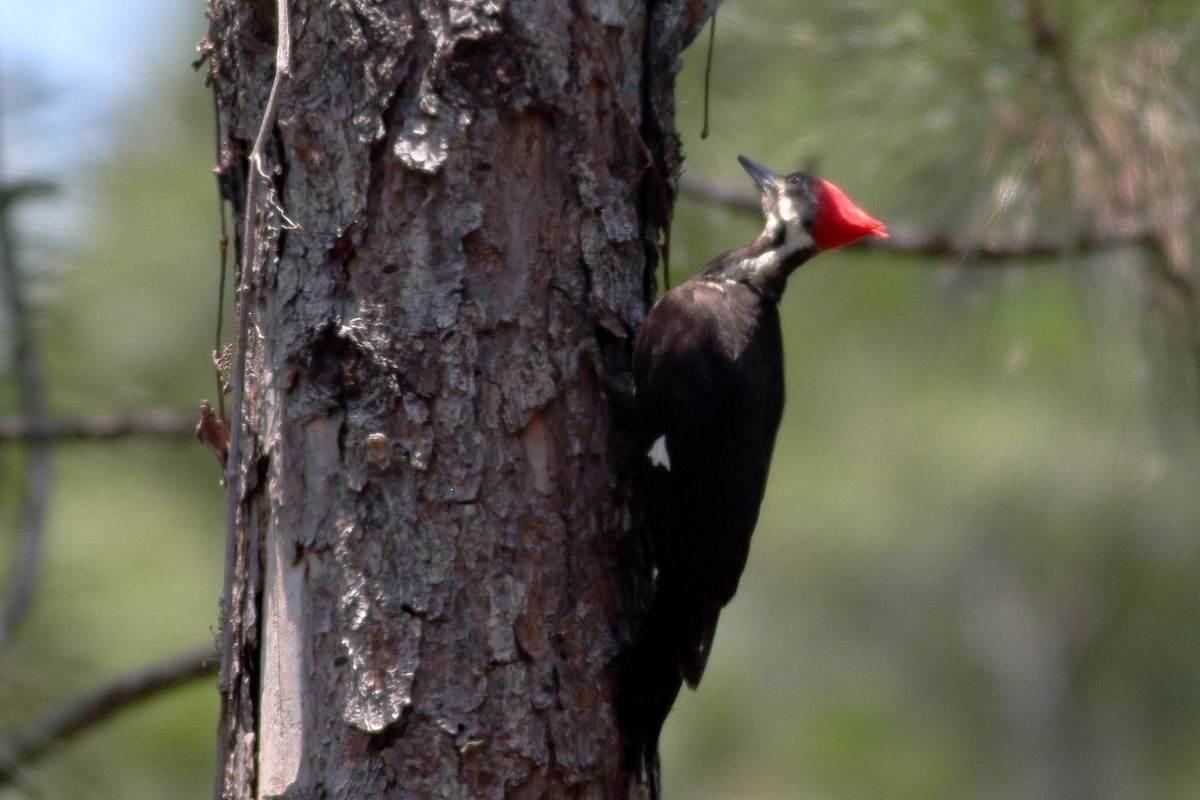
90,710
996,250
990,251
162,423
31,400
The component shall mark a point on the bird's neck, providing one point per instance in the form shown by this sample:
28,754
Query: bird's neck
764,264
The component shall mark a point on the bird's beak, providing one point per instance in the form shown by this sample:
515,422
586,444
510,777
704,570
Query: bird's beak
765,178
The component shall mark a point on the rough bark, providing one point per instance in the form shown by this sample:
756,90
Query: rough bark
433,563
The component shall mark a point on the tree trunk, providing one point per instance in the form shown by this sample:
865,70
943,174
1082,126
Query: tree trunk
433,562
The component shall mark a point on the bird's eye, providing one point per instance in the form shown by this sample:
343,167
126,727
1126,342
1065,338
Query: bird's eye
795,183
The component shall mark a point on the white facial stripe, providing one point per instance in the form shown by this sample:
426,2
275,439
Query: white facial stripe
786,211
787,216
785,225
658,453
796,238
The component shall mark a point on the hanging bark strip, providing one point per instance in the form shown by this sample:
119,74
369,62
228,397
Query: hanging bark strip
239,623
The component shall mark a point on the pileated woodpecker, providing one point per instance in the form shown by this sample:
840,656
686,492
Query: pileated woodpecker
708,383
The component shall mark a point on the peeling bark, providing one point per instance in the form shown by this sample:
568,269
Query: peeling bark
434,565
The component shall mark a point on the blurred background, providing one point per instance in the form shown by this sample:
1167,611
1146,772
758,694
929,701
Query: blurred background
977,573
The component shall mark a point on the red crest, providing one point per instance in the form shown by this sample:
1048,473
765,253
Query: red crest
839,221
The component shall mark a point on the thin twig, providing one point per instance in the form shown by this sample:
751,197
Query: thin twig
1165,281
159,423
936,244
708,62
223,255
31,401
1163,275
239,544
94,708
254,208
1050,43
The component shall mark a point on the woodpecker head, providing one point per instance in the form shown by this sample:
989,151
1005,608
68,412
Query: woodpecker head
806,214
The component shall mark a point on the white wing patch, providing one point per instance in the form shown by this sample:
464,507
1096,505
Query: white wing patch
658,453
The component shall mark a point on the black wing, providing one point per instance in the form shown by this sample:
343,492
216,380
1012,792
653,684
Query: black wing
708,372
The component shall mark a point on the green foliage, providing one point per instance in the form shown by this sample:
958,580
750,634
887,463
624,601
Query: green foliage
135,542
974,574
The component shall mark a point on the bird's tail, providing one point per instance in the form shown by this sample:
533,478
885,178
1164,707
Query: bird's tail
649,685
